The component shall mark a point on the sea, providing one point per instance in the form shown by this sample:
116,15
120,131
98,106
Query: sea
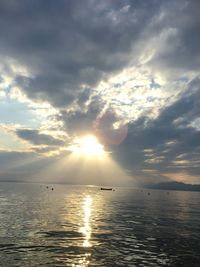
62,225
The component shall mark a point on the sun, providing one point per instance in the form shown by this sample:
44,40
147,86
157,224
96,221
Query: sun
88,146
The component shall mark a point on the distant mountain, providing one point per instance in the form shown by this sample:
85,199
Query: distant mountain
174,186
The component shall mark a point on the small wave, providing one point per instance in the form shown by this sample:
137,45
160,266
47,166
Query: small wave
62,234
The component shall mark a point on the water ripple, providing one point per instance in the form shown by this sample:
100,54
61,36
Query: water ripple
80,227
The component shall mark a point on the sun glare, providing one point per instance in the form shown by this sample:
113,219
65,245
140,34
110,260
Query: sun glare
88,146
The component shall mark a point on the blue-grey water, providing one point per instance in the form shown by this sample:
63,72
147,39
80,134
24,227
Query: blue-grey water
83,226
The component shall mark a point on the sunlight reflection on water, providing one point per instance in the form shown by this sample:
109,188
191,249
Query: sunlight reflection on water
86,229
82,227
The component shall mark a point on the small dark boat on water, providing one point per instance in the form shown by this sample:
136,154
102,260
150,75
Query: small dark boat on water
104,188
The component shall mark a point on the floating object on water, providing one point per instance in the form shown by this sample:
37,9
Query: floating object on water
104,188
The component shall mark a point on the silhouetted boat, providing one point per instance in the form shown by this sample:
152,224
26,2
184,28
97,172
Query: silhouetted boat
104,188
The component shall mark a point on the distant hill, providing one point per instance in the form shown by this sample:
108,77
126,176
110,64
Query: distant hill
174,186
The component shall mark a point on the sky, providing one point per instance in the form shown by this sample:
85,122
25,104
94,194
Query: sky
124,71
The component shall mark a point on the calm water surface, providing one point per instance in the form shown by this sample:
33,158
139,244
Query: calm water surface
83,226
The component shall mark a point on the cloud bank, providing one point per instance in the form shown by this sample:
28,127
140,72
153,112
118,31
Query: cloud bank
127,71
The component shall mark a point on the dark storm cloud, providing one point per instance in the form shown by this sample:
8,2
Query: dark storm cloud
182,45
37,138
69,46
168,143
68,43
